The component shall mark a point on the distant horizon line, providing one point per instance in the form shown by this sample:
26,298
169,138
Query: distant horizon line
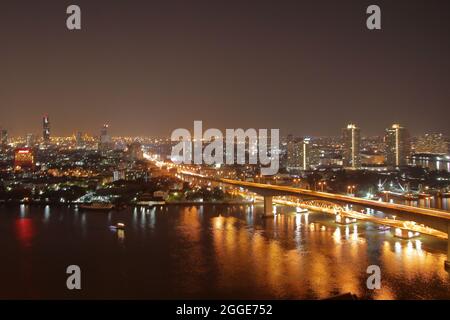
39,136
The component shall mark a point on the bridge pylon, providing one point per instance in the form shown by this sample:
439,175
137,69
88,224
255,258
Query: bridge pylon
268,206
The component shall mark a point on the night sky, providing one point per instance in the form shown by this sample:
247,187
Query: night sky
148,67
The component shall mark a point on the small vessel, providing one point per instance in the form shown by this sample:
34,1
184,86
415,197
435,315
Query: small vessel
384,228
118,226
96,206
151,203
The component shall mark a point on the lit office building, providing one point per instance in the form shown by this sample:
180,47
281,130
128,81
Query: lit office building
46,129
31,140
79,140
298,154
3,138
397,145
105,142
351,138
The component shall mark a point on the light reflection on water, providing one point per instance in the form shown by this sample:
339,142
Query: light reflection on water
212,252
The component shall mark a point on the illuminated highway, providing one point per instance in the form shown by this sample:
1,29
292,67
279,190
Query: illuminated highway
331,208
338,197
437,219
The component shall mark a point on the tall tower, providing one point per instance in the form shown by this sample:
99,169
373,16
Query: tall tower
105,142
298,152
351,137
79,139
397,145
306,157
104,137
46,129
294,153
3,138
31,140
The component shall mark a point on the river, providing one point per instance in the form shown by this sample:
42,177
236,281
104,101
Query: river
211,251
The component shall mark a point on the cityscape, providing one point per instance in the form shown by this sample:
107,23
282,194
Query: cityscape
317,166
402,168
394,185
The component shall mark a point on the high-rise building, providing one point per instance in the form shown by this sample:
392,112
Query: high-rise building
31,140
105,142
294,149
79,140
3,138
305,157
298,154
351,138
432,143
46,129
135,151
104,136
397,145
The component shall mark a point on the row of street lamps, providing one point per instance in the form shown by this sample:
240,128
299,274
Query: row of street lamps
350,189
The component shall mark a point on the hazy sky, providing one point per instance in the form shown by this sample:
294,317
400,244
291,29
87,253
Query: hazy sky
148,67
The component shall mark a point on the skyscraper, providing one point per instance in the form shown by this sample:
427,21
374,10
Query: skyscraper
298,154
351,138
104,136
79,140
397,145
3,138
293,155
46,129
105,142
31,140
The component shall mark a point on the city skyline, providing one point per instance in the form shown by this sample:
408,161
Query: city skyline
147,69
250,151
45,129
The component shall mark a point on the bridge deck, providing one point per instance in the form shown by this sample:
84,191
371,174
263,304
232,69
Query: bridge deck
338,197
435,213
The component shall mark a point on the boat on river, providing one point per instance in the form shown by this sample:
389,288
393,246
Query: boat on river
97,206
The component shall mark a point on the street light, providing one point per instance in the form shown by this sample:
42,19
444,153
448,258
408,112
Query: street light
322,185
351,189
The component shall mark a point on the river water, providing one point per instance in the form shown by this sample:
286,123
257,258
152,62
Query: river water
181,252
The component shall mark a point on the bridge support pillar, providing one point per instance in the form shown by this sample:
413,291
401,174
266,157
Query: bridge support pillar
268,206
447,262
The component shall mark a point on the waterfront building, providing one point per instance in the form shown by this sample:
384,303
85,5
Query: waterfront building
351,138
397,145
